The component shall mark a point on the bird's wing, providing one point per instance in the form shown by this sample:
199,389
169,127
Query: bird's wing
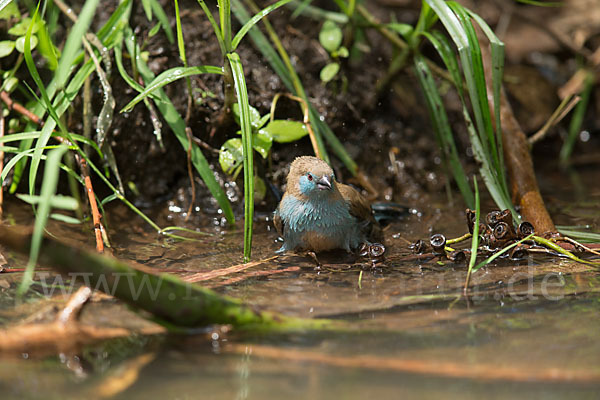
360,208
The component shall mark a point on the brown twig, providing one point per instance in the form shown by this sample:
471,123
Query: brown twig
85,172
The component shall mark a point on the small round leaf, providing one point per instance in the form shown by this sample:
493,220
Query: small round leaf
330,36
231,155
329,71
283,131
20,43
6,47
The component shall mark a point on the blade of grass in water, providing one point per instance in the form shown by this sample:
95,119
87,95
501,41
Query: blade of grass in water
242,94
475,239
48,190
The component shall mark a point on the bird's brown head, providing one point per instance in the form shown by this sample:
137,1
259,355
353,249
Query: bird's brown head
310,176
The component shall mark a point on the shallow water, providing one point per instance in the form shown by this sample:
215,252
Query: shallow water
530,329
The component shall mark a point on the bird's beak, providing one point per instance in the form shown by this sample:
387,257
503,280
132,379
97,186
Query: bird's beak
324,183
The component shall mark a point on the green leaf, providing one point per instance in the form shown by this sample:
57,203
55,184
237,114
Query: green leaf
169,76
248,25
9,9
154,30
56,201
147,9
262,142
261,122
255,119
403,29
20,43
342,52
163,19
20,29
65,218
283,131
10,84
330,36
231,155
329,72
6,47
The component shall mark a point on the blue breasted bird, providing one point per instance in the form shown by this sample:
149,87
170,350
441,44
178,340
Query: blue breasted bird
316,213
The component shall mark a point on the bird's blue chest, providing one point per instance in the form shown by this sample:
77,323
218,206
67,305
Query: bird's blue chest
318,224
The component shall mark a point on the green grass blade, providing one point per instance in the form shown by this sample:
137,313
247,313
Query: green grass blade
248,25
74,41
168,76
216,28
51,172
242,94
161,16
442,128
497,50
475,238
589,237
498,254
180,44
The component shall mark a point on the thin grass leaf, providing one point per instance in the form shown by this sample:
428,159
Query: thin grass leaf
248,25
553,246
589,237
161,16
51,172
475,238
498,254
225,19
442,128
65,218
306,9
216,28
168,76
56,201
180,44
497,50
242,94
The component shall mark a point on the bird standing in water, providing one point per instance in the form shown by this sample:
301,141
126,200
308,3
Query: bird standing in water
316,213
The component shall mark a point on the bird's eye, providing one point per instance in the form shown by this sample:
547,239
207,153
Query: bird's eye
310,177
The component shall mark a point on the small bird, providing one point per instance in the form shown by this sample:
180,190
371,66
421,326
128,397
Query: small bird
316,213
